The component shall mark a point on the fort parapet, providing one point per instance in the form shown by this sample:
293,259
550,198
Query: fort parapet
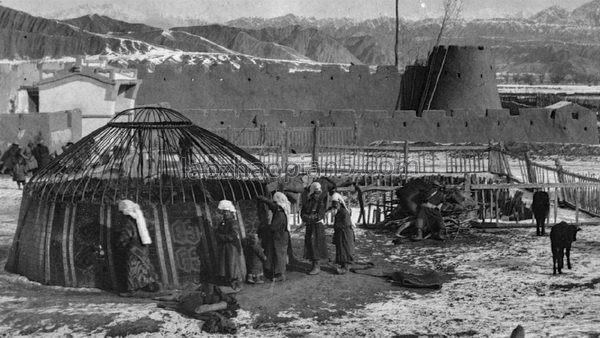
569,124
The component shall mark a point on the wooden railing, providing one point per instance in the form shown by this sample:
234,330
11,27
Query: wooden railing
298,139
404,160
576,190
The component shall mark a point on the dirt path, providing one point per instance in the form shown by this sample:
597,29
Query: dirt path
495,279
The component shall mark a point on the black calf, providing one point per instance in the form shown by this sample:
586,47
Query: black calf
540,207
561,237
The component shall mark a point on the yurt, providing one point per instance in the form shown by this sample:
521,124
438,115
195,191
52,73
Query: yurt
175,170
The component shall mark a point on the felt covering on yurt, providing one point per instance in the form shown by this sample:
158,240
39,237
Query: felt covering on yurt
176,171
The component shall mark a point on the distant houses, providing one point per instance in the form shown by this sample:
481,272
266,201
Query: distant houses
63,104
98,92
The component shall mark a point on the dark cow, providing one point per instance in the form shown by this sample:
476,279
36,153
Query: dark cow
561,237
540,207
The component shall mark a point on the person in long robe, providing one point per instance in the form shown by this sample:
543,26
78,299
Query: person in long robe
20,173
255,258
314,206
41,154
276,235
135,239
343,234
231,268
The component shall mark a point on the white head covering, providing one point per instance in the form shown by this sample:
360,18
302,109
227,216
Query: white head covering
313,187
227,206
337,197
281,199
132,209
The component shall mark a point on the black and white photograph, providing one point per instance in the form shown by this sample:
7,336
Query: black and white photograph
316,168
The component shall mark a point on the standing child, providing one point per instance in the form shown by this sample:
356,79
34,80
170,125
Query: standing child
343,235
231,269
20,172
255,257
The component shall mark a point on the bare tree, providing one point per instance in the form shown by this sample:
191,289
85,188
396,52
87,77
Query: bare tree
452,10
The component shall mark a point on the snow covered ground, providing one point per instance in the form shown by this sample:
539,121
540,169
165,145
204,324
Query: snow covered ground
496,280
548,89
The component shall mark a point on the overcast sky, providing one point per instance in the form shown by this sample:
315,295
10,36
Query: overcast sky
220,10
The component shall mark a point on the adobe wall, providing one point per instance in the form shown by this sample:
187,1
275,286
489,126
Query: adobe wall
532,125
13,76
268,86
55,128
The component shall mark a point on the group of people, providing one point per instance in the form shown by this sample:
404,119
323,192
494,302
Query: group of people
267,250
19,161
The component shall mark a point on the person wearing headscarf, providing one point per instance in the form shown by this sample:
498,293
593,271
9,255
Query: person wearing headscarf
231,267
343,235
135,239
314,206
275,236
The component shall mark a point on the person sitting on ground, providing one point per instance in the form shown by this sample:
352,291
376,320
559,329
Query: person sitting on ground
343,235
429,216
255,257
231,268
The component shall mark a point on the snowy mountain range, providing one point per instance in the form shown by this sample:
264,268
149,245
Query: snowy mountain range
554,42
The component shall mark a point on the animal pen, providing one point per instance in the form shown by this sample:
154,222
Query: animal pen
379,170
177,172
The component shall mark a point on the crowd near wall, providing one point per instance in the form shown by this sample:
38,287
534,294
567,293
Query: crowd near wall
574,125
56,128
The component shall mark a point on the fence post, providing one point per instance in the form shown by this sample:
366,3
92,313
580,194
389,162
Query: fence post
467,183
315,145
530,172
561,178
577,205
284,147
355,133
405,161
262,134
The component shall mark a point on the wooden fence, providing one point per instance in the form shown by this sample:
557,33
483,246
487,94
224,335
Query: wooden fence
401,160
298,139
488,196
577,190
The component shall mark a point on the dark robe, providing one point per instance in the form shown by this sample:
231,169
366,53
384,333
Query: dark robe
313,213
230,265
19,172
343,237
42,155
140,271
275,239
255,256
